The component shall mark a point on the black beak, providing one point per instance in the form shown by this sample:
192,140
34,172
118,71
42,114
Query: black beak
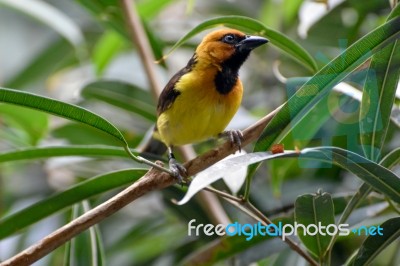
251,42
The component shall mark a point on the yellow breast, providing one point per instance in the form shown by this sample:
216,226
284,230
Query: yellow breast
200,111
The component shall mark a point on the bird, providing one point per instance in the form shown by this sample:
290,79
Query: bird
200,100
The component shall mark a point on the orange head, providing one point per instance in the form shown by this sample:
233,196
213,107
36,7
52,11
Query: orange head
227,44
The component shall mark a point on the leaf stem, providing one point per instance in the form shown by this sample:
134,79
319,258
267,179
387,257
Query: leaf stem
224,194
140,159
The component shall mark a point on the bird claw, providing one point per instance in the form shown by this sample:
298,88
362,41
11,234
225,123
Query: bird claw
178,170
235,137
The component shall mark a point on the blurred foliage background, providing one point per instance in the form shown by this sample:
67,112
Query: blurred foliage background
80,52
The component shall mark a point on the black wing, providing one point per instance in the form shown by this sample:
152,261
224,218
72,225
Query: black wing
169,94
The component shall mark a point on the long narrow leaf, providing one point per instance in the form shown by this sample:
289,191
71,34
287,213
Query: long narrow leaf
32,122
122,95
76,150
313,121
319,85
62,109
109,45
378,97
84,190
391,159
375,244
316,209
377,176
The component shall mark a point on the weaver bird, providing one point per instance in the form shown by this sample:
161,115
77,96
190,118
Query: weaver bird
200,100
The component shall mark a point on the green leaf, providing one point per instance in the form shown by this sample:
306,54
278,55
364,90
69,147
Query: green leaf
48,152
395,12
81,134
87,247
378,97
84,190
315,209
123,95
375,244
62,109
317,87
33,123
391,159
50,16
291,10
149,8
341,200
248,24
106,49
322,82
313,121
377,176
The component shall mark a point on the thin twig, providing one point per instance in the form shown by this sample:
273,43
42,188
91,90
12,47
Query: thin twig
243,208
139,38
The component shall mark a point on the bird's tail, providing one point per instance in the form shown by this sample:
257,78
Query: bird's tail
151,147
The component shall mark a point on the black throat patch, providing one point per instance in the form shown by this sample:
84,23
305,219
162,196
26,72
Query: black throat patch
227,78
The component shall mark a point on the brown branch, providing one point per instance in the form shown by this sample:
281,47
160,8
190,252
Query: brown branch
153,180
139,38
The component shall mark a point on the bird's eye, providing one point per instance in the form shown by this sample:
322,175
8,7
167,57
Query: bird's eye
229,38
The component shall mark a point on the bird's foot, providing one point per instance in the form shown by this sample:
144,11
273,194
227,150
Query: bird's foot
235,137
178,170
